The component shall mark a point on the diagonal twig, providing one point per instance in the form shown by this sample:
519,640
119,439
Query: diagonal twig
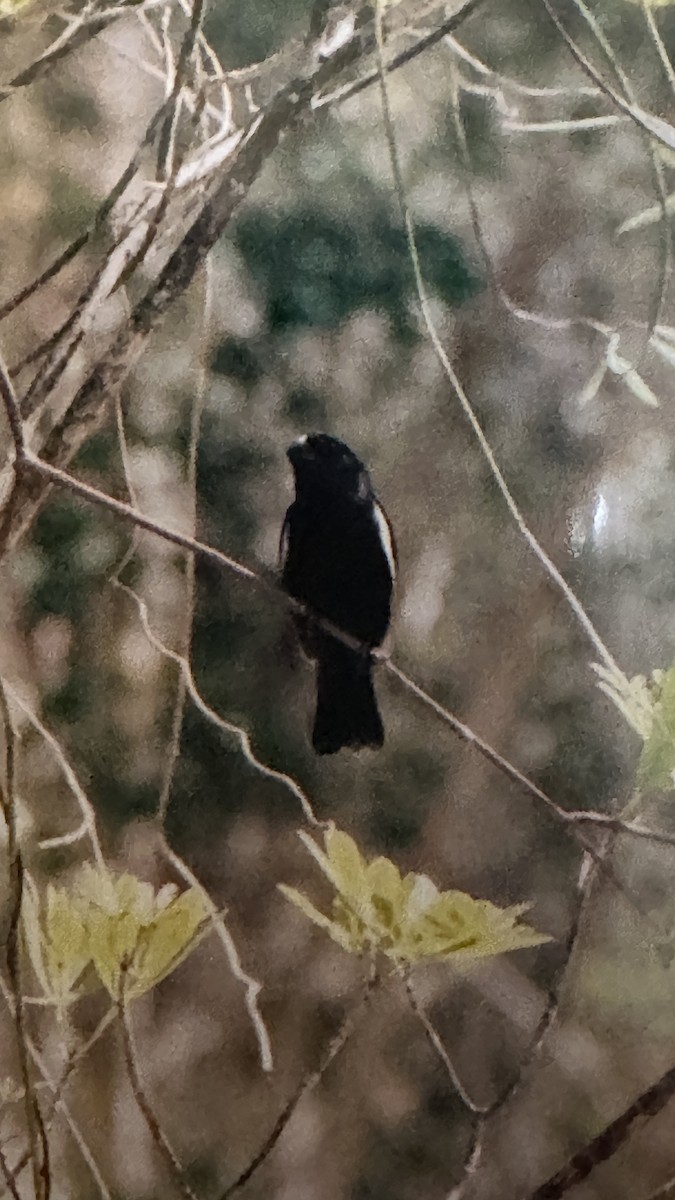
35,1127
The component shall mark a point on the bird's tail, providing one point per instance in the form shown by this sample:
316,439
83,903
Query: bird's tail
346,708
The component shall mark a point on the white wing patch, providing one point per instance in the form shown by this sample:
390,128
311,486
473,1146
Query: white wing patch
283,543
385,537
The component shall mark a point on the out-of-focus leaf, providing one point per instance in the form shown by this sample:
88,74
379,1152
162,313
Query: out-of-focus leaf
634,698
629,376
647,216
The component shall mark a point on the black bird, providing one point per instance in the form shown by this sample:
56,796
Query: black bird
338,558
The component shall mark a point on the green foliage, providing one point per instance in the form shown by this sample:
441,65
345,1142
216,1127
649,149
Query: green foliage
258,29
406,918
316,270
236,358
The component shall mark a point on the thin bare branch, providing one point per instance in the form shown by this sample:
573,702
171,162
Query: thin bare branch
88,825
306,1085
102,214
219,198
58,1087
142,1099
9,1176
436,1042
81,28
610,1141
657,171
210,554
12,410
35,1127
252,987
484,1114
655,126
197,409
228,727
432,38
535,546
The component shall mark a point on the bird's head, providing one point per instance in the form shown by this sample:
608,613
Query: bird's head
323,462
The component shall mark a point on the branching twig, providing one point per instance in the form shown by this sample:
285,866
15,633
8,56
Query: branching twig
655,126
209,553
252,987
144,1104
80,29
289,107
88,826
214,718
73,1127
193,448
307,1084
401,59
102,213
58,1087
9,1177
610,1141
467,408
35,1128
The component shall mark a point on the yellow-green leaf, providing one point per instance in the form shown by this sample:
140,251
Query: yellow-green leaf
657,761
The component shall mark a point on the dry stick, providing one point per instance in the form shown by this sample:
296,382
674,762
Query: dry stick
59,1085
436,1042
587,877
9,1176
140,1096
192,453
63,1108
537,549
482,1114
210,554
543,320
306,1085
452,22
108,204
252,987
459,391
289,108
657,169
502,83
79,243
35,1128
659,43
167,134
607,1143
168,163
221,723
69,40
88,826
28,463
661,130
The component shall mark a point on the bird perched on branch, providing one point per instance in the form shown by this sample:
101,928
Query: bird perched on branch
338,560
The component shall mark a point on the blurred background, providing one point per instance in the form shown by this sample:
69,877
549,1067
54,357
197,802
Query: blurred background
309,320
